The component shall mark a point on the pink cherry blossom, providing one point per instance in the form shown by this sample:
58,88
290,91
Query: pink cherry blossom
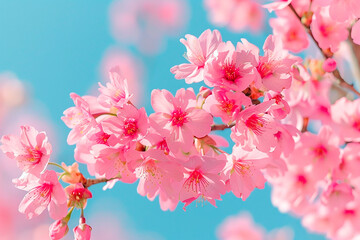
178,119
231,69
77,195
328,33
111,162
116,93
78,118
237,15
290,30
243,169
346,114
47,194
202,180
255,128
337,195
275,66
130,125
31,150
320,151
199,51
157,174
225,104
343,10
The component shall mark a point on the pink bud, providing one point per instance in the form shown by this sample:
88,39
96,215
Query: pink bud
83,231
58,229
329,65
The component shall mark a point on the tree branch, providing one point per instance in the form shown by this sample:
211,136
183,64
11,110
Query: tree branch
221,127
326,55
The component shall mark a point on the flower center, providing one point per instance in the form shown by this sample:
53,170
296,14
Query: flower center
45,190
228,106
231,72
256,123
301,179
320,151
130,127
356,124
34,155
264,69
178,118
240,167
196,182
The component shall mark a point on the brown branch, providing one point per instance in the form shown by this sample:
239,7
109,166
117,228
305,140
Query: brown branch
221,127
326,54
92,181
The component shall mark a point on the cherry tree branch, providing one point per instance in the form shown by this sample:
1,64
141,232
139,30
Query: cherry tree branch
221,127
93,181
326,55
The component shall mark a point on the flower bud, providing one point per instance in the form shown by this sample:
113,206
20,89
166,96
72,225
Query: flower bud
329,65
58,229
83,231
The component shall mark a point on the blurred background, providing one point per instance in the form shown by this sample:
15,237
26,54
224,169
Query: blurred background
49,49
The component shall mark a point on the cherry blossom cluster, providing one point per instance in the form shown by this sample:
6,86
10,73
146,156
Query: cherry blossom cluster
328,20
171,153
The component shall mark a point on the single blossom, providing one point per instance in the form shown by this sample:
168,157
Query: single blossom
116,92
31,149
199,51
77,195
202,180
47,194
177,118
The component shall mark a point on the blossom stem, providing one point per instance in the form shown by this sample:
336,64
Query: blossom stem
326,55
221,127
57,165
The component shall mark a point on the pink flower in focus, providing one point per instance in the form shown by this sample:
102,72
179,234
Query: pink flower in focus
275,66
243,171
77,195
225,104
111,162
131,68
328,32
202,180
177,118
130,125
231,69
47,194
82,231
199,51
255,128
158,175
79,119
31,150
240,227
58,229
116,93
237,15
